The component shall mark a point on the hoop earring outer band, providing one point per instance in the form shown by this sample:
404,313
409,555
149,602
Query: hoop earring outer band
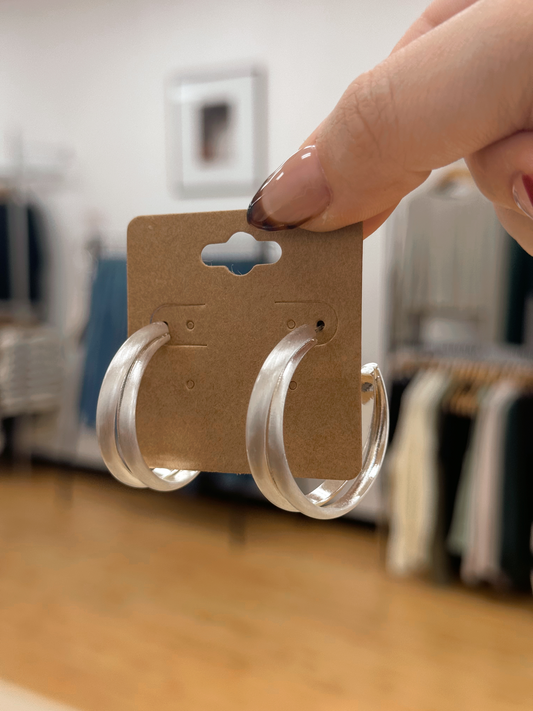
265,444
116,414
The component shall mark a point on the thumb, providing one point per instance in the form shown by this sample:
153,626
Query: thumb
449,93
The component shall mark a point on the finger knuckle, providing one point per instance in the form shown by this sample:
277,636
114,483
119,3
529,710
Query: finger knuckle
367,112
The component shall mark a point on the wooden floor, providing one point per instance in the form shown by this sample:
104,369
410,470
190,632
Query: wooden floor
119,600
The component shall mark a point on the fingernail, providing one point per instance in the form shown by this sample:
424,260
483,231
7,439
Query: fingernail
294,194
523,193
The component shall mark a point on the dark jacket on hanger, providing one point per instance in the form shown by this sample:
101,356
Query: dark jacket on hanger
517,495
35,254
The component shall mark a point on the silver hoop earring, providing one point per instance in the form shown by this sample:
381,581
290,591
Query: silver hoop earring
265,444
116,414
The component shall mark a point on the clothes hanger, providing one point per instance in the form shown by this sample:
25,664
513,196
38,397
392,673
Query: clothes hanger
455,182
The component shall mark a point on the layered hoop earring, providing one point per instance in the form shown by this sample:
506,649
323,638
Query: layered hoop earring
117,430
266,448
116,425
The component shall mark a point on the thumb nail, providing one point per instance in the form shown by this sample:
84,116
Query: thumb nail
294,194
523,193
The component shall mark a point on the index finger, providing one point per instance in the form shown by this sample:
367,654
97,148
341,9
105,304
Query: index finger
434,15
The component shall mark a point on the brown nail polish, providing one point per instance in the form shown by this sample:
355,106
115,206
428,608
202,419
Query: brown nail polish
523,193
294,194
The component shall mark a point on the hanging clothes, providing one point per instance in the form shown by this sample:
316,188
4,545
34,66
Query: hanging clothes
481,559
454,438
413,473
106,331
458,535
462,484
520,291
447,283
396,393
36,253
517,495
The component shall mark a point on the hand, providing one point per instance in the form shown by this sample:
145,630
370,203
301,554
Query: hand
459,84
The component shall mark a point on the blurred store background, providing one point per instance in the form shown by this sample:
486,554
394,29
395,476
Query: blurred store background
209,598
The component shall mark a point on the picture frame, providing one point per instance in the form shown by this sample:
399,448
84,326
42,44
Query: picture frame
217,132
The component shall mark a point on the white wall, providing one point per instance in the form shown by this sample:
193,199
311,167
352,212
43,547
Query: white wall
91,74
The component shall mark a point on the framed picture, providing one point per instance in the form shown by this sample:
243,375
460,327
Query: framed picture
217,133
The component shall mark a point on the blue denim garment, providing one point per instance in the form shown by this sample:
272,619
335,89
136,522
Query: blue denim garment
106,331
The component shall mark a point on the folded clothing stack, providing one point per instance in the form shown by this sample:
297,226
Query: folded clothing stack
31,368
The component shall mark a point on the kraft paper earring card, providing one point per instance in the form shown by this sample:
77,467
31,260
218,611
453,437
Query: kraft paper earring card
194,396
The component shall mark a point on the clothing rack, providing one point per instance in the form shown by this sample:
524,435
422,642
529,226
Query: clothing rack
469,364
31,366
28,166
72,438
471,369
459,466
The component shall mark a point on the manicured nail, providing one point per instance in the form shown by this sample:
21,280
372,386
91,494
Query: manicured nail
523,193
294,194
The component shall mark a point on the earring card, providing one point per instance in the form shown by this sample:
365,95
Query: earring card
193,400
